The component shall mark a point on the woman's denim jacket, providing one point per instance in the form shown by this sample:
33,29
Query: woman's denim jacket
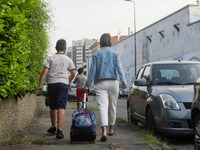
105,65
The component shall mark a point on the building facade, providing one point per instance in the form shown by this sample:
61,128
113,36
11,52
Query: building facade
88,52
175,37
95,47
69,52
81,51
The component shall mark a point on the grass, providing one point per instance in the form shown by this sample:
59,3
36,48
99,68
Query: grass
74,103
173,148
94,99
91,108
146,134
42,142
16,141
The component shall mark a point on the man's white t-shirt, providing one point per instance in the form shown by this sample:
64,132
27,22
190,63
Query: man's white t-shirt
59,66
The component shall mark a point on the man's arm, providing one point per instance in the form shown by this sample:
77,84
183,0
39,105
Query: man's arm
72,75
43,75
70,88
75,80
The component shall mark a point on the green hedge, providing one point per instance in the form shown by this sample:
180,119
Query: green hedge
23,45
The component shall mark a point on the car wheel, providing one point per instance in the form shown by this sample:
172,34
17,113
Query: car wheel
150,121
130,116
197,132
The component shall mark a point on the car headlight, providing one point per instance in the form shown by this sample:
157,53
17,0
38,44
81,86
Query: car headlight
169,102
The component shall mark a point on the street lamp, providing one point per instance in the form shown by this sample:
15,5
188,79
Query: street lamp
134,35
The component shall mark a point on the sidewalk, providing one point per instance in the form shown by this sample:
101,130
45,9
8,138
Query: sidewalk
123,139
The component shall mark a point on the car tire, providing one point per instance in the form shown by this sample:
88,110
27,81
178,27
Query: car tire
197,132
150,121
130,116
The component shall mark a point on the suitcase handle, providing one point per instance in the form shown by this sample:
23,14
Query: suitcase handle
85,91
84,100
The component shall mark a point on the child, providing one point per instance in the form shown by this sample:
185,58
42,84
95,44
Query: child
58,67
80,80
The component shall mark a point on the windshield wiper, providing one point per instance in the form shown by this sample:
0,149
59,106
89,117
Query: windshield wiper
189,83
168,83
173,83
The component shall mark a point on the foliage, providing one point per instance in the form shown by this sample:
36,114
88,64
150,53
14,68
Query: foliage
17,141
42,142
23,45
146,134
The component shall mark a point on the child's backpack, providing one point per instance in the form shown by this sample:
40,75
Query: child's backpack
83,126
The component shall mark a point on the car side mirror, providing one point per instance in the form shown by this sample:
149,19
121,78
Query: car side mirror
140,82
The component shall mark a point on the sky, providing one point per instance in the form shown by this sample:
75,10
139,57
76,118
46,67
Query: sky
78,19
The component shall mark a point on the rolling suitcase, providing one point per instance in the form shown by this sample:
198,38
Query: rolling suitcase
83,126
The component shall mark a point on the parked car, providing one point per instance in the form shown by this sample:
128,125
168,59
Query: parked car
72,94
195,114
161,96
122,93
44,90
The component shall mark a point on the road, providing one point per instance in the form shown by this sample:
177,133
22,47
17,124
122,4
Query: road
176,142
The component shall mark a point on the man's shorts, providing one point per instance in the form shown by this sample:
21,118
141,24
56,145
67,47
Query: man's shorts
57,93
80,94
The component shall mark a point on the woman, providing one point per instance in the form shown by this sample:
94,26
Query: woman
104,71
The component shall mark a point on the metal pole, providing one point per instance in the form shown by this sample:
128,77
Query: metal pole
134,36
135,40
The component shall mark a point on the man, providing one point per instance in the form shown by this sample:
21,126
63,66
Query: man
58,67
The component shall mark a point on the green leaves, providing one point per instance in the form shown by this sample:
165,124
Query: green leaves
3,93
23,45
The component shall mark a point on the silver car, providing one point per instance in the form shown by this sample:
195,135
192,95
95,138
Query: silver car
161,96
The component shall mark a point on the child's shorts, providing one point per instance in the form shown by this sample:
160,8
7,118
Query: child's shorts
57,93
80,94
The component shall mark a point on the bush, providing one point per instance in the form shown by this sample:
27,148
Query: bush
23,45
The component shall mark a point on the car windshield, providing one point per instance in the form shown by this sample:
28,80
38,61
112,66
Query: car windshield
175,74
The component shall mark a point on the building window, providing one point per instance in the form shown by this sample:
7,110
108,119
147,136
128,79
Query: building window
161,33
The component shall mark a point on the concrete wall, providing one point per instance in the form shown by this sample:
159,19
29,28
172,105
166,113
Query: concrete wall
15,115
194,13
175,45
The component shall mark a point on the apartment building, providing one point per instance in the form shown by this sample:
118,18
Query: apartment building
81,51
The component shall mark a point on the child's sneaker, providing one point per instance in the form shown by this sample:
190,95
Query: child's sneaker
52,130
59,134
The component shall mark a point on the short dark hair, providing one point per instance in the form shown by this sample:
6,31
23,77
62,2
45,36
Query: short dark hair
80,70
61,45
105,40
